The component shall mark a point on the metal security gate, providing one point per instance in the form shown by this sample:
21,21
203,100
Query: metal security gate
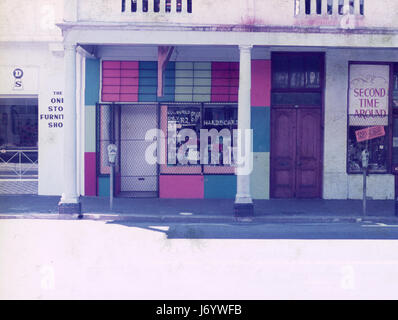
138,178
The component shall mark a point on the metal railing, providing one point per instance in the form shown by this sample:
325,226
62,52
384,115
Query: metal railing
329,7
19,163
157,6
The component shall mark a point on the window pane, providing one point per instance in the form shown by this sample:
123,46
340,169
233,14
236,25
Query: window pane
224,119
312,71
178,119
297,73
280,72
18,123
377,152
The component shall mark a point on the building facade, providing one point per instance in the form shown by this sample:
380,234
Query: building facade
315,80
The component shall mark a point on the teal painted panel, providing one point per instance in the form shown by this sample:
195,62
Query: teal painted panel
183,97
202,65
220,186
201,97
90,129
260,123
92,83
184,82
103,186
184,65
260,176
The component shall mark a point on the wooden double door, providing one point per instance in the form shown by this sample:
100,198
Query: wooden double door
296,152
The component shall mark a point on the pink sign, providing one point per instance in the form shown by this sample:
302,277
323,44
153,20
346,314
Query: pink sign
370,133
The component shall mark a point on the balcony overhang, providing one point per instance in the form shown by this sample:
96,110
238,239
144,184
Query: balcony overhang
173,35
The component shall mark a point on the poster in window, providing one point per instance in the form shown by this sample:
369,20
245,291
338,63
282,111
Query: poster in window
368,94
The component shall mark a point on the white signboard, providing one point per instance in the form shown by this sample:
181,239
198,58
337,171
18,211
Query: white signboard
368,94
19,80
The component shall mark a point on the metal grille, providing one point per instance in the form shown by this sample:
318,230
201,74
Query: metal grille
136,174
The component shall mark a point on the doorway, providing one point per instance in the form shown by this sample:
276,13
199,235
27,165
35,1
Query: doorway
296,125
138,178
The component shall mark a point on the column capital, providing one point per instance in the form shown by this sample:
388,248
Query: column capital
245,47
68,46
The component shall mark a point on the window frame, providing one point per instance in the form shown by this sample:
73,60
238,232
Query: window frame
198,169
389,131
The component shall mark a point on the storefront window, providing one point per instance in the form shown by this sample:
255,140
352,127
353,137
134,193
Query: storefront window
368,117
18,138
19,123
186,149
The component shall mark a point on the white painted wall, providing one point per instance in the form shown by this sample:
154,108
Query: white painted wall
50,78
337,184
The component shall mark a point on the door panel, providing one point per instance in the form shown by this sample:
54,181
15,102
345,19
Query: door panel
308,164
296,153
283,153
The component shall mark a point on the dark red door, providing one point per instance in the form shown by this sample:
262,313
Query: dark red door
296,153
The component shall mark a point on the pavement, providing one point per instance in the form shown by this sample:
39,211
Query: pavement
200,210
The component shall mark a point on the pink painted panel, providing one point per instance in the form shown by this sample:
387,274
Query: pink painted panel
90,176
220,82
110,64
129,73
181,186
223,74
220,90
261,83
129,89
108,97
129,81
221,170
128,97
111,73
220,65
110,89
111,81
220,98
129,65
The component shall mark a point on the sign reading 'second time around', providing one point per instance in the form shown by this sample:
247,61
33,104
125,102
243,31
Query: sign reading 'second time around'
368,92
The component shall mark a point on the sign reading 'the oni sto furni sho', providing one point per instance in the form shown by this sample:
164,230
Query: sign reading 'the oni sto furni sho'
368,94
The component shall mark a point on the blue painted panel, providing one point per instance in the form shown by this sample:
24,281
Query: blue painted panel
92,85
220,186
260,122
103,186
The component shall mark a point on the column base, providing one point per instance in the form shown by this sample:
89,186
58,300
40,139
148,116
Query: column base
243,209
70,208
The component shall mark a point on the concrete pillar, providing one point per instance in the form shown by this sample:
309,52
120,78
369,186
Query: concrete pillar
70,202
243,201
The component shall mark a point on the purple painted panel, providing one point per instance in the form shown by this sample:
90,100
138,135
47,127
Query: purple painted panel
181,186
90,178
261,83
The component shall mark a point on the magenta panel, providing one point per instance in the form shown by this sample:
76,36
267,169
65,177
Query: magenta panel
220,98
109,97
128,97
111,73
181,186
130,65
129,73
129,89
129,81
261,83
110,64
90,177
111,81
110,89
